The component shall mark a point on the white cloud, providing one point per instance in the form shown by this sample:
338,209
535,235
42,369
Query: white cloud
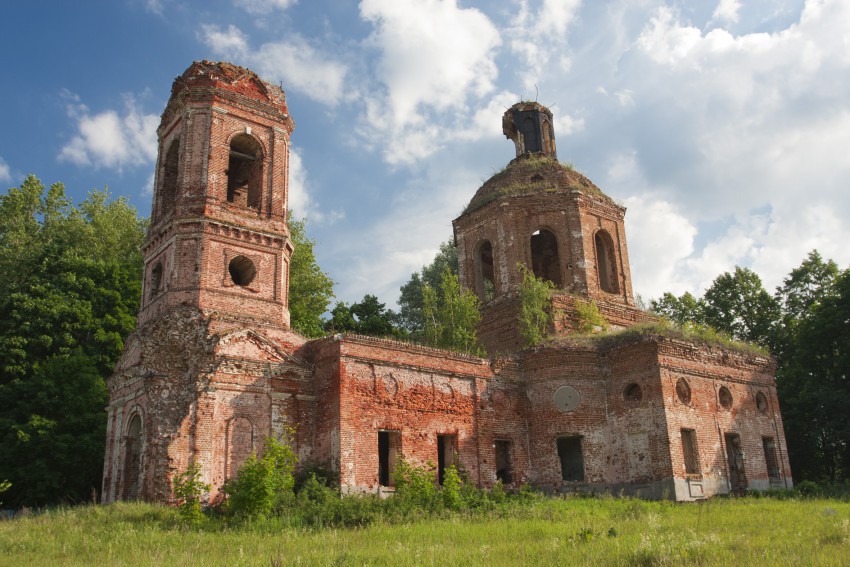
539,37
727,11
300,202
660,238
433,53
434,57
231,42
264,6
5,174
294,61
111,139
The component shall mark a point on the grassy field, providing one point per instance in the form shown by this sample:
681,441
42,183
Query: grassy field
577,531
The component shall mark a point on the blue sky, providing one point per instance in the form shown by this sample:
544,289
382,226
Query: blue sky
723,126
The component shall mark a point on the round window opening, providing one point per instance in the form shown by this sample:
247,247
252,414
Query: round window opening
725,397
633,393
761,403
683,391
242,270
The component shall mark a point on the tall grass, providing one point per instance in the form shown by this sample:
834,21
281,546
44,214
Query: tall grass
520,531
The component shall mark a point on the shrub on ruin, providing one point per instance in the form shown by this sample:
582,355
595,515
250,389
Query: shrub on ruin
188,489
590,320
535,317
264,485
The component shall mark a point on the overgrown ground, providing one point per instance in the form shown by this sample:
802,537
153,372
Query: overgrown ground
596,531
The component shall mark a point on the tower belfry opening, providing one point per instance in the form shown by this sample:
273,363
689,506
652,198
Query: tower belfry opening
245,172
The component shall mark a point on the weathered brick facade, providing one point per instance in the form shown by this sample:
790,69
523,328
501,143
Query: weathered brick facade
213,367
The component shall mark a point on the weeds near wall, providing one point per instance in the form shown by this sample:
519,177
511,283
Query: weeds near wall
188,489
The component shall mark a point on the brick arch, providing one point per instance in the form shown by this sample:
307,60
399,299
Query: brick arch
485,273
169,178
240,441
606,262
245,170
133,441
546,255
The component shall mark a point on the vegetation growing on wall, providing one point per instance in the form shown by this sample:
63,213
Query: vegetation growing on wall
535,317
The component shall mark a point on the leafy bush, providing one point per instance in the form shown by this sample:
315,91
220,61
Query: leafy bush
415,486
263,485
188,489
451,493
590,320
535,315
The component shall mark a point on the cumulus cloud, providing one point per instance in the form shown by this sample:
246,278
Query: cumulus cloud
112,138
539,37
434,56
727,11
5,174
231,41
264,6
300,202
295,61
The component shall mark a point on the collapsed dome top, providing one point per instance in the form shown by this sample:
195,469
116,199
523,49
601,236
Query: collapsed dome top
208,76
536,169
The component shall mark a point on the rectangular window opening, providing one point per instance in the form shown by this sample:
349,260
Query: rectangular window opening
504,466
689,451
572,461
446,454
389,448
770,458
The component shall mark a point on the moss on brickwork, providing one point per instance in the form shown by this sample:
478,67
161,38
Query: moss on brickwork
531,174
662,328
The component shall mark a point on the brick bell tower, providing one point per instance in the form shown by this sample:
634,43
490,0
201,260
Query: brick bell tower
218,238
548,217
210,362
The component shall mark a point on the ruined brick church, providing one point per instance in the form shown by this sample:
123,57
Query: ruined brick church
213,367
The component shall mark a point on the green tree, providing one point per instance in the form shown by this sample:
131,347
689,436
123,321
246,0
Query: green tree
410,302
680,310
737,304
367,317
535,316
310,289
450,315
70,284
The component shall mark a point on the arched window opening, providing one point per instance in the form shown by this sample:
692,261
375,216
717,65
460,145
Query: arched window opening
485,284
545,261
245,172
132,459
240,444
168,186
156,279
606,265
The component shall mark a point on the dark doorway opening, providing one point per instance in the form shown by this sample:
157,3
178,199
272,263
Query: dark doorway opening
735,458
389,445
572,461
446,451
503,462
